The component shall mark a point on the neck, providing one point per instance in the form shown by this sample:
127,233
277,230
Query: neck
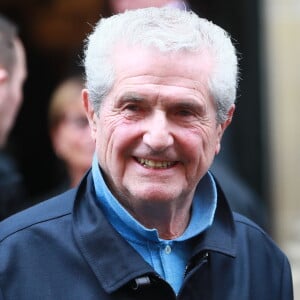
169,222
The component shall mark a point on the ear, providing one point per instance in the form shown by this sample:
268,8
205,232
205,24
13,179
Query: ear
90,112
3,88
229,118
222,127
3,75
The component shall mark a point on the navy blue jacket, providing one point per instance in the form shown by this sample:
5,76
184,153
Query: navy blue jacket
12,186
65,249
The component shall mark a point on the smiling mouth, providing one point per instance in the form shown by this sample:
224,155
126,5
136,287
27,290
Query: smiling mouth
153,164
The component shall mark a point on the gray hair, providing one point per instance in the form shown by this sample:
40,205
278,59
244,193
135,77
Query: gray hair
166,29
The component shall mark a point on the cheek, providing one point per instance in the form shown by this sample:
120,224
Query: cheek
115,143
104,135
112,129
113,140
63,141
201,145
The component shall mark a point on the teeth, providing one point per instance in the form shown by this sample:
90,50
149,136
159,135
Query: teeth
155,164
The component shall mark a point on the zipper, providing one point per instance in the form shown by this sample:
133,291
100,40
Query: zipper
196,261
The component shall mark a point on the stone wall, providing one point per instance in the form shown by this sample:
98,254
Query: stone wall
281,52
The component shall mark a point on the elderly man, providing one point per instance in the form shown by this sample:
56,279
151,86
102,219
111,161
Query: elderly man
241,197
148,221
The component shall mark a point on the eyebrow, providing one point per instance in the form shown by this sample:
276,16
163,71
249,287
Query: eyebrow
187,102
132,96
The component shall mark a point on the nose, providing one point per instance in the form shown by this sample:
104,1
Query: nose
158,135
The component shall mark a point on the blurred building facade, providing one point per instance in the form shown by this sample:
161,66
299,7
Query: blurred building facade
280,49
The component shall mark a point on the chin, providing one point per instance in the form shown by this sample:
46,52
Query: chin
158,196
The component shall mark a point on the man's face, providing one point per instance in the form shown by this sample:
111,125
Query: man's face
11,92
156,132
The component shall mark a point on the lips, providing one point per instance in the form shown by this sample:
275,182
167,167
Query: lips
154,164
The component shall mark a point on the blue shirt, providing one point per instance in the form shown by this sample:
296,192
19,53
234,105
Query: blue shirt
167,257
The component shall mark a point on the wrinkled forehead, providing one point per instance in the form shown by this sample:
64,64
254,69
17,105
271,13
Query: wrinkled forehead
149,72
147,60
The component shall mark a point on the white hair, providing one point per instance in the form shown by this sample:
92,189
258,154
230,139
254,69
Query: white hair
166,29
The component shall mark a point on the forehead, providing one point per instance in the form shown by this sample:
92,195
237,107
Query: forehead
140,65
73,104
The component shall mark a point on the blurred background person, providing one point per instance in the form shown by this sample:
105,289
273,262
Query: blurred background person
242,198
69,134
117,6
13,72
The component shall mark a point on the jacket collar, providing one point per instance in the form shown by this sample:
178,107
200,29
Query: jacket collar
220,236
96,238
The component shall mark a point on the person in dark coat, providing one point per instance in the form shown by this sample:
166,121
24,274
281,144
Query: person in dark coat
148,220
13,72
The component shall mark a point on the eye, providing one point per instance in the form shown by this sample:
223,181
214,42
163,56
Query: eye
185,112
134,110
133,107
